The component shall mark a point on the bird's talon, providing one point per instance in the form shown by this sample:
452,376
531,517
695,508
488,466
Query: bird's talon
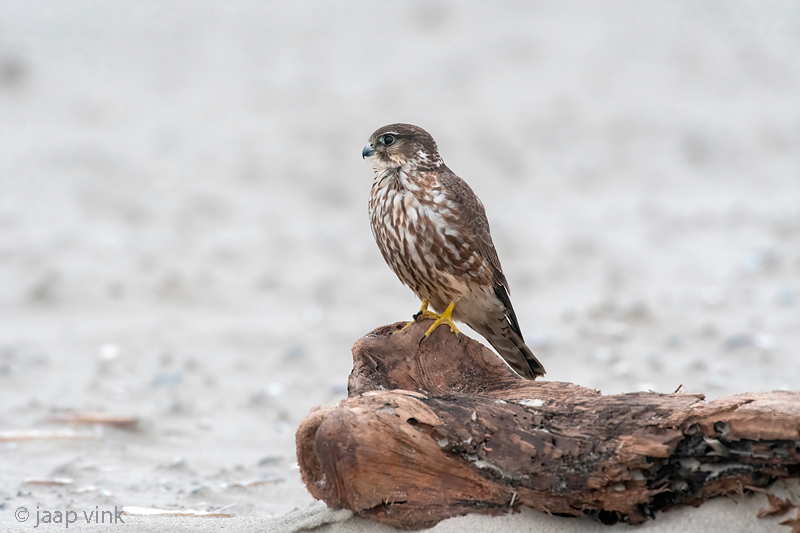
444,318
424,312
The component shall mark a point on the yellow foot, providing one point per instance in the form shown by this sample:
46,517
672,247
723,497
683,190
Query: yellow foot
424,313
444,318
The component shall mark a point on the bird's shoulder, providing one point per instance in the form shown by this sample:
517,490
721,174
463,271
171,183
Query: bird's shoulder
471,209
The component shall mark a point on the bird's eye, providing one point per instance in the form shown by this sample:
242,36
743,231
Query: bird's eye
388,140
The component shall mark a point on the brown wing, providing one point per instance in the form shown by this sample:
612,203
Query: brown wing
475,216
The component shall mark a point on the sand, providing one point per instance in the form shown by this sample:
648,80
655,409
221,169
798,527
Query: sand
184,238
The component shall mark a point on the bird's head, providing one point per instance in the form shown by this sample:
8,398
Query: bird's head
401,145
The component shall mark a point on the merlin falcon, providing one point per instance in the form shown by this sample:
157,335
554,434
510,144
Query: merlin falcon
433,233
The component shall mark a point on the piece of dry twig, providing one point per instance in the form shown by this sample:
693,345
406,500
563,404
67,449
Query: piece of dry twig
49,434
247,483
90,417
150,511
52,481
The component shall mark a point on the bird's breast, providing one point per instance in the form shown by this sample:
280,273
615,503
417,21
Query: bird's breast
421,238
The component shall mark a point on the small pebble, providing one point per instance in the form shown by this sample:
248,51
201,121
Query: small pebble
177,462
35,359
602,353
718,380
273,389
613,329
313,315
190,364
636,311
709,331
738,340
787,297
713,296
109,352
674,341
764,341
178,406
622,368
198,488
655,362
270,390
282,427
339,388
759,260
165,379
259,397
295,351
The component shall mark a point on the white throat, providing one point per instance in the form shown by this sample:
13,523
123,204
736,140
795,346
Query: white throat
385,172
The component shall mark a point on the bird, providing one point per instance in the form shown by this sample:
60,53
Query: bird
432,231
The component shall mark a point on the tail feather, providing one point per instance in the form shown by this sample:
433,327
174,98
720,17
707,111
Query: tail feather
512,349
504,334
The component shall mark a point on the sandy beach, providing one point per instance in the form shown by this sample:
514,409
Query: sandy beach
184,237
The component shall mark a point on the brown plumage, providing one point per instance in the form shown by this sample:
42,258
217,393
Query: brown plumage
433,233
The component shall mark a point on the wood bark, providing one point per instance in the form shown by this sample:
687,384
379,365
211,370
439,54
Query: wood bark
443,428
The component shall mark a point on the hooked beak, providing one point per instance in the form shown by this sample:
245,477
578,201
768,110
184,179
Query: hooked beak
368,151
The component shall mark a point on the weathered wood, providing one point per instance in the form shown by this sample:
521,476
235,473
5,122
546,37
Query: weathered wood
444,428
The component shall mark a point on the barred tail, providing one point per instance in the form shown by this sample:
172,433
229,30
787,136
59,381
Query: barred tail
512,348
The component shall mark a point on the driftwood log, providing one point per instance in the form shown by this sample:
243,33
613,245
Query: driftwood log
445,428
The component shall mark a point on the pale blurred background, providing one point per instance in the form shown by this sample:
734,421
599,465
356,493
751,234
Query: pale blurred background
183,227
